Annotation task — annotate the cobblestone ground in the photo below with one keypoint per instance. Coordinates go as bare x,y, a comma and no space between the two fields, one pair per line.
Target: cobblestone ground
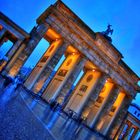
26,117
17,122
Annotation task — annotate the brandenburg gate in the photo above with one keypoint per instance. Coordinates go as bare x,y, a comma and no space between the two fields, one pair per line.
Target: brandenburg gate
107,86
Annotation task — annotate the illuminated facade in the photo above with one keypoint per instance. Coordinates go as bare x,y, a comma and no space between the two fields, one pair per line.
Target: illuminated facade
108,85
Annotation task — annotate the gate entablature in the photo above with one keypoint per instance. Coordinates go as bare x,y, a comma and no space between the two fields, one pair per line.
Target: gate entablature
93,45
13,28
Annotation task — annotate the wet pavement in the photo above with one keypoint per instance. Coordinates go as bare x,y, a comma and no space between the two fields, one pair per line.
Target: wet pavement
24,116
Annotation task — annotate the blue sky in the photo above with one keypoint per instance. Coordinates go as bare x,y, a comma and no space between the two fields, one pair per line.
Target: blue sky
122,14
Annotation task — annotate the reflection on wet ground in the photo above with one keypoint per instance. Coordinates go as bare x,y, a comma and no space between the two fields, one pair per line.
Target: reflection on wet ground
57,122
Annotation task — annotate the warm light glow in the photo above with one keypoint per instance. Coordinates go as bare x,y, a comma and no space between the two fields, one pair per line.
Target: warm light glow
12,72
107,89
38,86
71,50
2,65
52,34
119,99
90,66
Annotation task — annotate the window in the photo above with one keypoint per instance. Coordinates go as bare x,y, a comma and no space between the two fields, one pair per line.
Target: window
83,88
100,99
62,72
135,112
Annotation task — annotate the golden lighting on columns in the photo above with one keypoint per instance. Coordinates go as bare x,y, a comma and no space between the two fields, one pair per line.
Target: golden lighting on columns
52,35
50,52
33,77
115,110
84,89
63,73
100,103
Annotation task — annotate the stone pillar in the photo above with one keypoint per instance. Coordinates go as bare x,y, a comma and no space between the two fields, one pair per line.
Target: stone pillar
129,124
122,131
113,119
35,36
13,49
103,103
60,78
63,95
128,132
10,68
90,103
35,74
119,116
83,91
9,55
40,85
136,134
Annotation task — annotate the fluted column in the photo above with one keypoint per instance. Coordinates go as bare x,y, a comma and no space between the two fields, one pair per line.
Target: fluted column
117,107
134,133
93,97
36,35
112,120
123,131
10,53
60,78
135,136
84,89
35,74
40,84
63,95
119,116
128,132
10,68
103,103
14,48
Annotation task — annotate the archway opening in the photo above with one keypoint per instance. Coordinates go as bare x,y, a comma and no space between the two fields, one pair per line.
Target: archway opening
37,54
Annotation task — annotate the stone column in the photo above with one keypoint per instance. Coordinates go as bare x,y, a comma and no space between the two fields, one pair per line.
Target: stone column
10,68
120,116
128,132
60,78
103,103
41,85
83,91
10,53
35,36
63,95
90,103
123,131
35,74
136,134
13,49
116,115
